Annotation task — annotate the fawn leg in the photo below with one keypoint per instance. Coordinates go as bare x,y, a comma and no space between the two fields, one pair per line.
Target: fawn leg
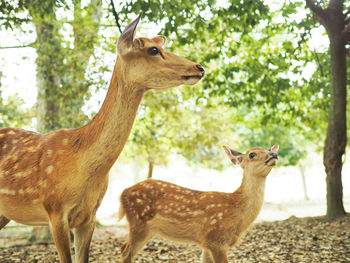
82,240
61,236
137,239
219,254
206,256
3,221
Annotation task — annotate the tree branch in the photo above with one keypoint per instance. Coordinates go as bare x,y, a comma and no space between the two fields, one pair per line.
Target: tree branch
346,33
336,4
116,17
318,62
315,8
16,19
20,46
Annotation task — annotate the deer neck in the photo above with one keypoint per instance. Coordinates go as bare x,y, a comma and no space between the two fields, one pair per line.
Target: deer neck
105,136
252,191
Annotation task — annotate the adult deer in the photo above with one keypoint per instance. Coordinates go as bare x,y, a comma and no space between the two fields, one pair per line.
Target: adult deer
213,220
60,178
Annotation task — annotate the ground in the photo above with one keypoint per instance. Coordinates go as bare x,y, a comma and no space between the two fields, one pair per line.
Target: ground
299,240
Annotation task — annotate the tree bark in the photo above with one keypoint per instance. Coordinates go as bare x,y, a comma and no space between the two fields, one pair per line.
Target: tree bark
150,170
333,19
303,180
48,67
336,134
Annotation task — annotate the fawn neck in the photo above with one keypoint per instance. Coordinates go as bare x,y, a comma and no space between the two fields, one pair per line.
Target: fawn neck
252,191
106,134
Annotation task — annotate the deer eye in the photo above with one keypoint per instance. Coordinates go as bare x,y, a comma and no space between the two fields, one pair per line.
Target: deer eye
252,155
153,51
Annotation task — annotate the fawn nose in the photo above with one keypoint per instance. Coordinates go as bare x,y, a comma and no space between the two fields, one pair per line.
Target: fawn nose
274,155
201,69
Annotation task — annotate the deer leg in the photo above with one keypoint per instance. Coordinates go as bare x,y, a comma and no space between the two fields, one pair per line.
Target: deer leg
206,256
82,240
61,236
219,254
3,221
137,239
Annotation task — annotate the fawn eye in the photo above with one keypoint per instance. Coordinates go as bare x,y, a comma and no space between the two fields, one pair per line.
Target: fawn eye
252,155
153,51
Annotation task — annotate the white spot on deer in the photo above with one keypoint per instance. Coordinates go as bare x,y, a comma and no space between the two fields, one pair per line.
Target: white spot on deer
148,186
197,212
44,183
4,147
31,190
213,222
2,135
159,206
49,169
220,215
21,191
7,191
210,206
65,141
11,132
202,196
31,149
139,201
19,174
49,152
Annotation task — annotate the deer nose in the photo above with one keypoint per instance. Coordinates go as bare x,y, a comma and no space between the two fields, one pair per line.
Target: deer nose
274,155
201,69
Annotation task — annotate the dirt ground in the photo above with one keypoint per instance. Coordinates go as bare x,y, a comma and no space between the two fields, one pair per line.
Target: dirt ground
299,240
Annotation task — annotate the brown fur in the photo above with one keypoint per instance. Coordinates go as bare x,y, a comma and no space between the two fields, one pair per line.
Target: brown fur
213,220
60,178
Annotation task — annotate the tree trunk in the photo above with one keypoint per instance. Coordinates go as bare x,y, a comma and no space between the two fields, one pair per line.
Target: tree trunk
150,169
302,173
333,19
336,134
49,67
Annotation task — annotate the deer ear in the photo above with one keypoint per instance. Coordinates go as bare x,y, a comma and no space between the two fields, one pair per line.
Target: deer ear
160,40
126,39
235,157
274,148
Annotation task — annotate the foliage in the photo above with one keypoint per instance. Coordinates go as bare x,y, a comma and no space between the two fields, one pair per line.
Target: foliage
254,59
11,112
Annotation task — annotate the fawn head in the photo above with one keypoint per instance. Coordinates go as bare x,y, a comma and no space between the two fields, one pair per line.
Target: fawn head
146,62
256,161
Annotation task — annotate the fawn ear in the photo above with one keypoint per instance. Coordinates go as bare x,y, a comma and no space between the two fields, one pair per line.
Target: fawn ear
126,39
235,157
160,40
274,148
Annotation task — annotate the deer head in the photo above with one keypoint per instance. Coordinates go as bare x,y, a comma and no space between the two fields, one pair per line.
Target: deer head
256,159
145,62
